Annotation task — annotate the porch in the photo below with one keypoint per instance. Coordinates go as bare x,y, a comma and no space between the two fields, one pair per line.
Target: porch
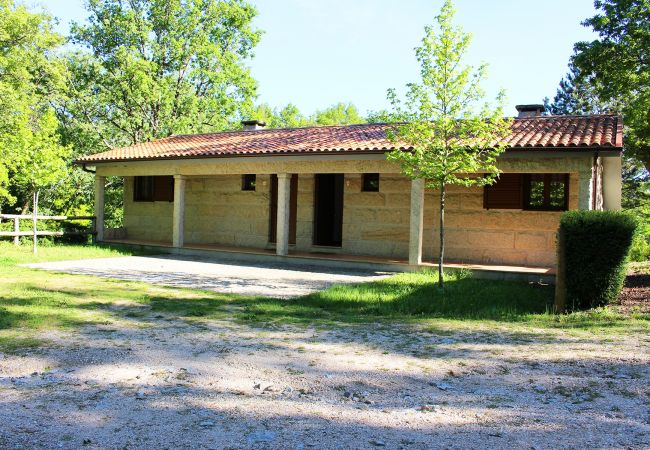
301,259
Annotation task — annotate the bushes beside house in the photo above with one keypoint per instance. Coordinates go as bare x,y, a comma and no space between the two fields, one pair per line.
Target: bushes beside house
593,250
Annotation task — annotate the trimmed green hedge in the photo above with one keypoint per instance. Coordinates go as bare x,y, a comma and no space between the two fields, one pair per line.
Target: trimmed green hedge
595,249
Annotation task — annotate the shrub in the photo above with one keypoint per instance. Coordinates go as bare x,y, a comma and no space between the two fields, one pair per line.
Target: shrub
594,248
71,227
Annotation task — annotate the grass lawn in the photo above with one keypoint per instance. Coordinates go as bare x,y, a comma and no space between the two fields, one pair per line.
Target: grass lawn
33,303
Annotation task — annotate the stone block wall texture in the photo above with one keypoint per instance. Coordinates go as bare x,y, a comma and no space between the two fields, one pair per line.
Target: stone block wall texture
374,223
147,221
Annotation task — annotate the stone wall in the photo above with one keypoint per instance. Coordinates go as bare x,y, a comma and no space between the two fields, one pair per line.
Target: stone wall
374,223
217,211
147,221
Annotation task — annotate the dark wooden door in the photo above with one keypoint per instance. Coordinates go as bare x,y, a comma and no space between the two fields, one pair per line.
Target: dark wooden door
293,209
328,209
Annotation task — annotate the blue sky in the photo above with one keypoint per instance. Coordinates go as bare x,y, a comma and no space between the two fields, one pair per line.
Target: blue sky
315,53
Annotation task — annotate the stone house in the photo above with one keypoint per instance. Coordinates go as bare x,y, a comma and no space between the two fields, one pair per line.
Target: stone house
329,190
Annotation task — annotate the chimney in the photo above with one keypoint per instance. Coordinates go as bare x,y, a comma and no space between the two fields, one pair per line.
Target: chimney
253,125
530,110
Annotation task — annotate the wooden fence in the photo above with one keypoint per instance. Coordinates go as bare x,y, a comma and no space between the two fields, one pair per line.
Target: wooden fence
35,233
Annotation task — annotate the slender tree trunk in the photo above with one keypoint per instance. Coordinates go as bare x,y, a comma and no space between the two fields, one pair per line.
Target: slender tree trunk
442,235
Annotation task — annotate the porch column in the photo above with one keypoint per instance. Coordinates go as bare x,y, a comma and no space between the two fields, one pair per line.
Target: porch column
179,211
100,184
585,189
417,221
612,183
284,191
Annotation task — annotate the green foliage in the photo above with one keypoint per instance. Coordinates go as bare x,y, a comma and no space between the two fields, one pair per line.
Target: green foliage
339,114
449,135
287,117
291,117
40,160
577,96
156,68
617,65
31,155
597,244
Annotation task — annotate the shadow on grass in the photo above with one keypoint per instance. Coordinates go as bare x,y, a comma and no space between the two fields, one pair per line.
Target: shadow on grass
401,296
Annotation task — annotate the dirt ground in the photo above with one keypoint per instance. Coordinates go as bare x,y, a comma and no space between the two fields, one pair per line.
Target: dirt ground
159,382
636,292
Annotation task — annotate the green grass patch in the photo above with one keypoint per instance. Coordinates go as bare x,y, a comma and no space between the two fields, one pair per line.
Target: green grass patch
33,301
416,296
12,343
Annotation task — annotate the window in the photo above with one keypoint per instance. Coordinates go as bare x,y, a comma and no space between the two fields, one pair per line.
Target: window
546,191
541,192
248,182
153,189
370,182
505,193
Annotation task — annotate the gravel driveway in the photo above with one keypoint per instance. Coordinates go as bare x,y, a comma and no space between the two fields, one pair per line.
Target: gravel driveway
199,273
158,382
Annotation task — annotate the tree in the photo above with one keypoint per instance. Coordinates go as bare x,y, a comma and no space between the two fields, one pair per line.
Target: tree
287,117
40,160
291,117
450,138
618,65
31,154
574,96
339,114
153,68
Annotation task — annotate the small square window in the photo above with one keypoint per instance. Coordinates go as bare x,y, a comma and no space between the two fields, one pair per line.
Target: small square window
370,182
248,182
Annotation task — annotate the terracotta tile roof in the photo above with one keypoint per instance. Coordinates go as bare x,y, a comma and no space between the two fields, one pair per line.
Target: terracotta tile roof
533,133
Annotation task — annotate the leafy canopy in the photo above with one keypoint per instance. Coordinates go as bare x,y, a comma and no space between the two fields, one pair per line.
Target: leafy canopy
291,117
153,68
577,96
449,137
618,65
31,155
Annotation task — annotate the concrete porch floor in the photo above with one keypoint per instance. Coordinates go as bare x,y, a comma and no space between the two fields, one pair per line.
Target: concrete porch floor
337,260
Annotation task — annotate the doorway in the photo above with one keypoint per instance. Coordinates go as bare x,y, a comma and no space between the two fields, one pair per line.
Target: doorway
293,209
328,209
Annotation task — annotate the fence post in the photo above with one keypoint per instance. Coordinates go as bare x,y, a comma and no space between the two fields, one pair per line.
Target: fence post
16,230
34,220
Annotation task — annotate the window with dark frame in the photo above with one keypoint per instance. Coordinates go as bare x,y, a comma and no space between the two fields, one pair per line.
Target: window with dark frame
153,189
370,182
536,192
546,191
248,182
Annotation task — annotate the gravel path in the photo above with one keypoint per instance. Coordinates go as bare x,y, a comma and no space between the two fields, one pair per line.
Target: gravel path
193,272
159,382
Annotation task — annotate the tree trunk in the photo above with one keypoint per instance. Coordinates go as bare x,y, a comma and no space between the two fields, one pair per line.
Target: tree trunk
442,235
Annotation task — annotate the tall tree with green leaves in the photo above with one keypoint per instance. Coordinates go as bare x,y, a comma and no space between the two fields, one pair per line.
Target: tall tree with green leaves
287,117
31,154
153,68
617,64
575,96
453,137
339,114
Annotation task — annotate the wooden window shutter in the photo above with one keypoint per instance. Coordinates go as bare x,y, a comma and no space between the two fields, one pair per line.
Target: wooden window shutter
163,189
506,193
